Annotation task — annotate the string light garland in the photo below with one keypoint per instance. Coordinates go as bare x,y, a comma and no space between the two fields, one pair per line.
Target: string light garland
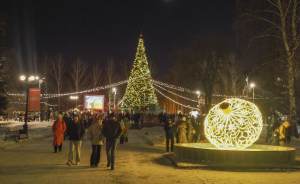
233,124
16,94
155,82
183,97
23,103
182,89
174,101
86,91
171,86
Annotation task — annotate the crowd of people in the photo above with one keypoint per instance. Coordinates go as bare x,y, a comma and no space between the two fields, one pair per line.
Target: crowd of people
98,127
106,129
280,129
182,128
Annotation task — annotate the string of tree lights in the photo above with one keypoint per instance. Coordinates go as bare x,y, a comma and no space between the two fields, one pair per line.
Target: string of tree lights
176,102
171,86
173,93
23,103
109,86
155,82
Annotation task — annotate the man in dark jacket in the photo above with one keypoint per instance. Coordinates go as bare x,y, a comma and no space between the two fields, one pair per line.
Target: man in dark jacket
169,127
111,131
75,132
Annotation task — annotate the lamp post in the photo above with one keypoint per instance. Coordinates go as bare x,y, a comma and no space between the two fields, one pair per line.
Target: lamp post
252,86
74,98
27,80
40,87
114,90
198,93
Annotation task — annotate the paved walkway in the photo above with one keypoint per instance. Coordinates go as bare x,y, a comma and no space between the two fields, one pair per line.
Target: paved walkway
137,162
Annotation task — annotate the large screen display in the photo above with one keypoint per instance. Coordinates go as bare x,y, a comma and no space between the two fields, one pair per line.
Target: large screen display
95,102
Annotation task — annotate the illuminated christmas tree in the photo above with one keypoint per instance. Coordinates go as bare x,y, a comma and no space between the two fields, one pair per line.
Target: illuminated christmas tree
140,92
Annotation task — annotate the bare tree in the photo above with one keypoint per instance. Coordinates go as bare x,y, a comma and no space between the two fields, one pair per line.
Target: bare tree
230,74
78,74
126,69
282,18
110,67
97,73
57,72
208,74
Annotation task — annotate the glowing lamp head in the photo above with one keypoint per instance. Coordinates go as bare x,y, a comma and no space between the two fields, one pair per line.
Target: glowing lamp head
31,78
194,114
252,85
114,90
233,124
22,77
74,97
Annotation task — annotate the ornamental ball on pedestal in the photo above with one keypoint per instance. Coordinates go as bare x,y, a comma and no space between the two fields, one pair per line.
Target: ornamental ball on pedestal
233,124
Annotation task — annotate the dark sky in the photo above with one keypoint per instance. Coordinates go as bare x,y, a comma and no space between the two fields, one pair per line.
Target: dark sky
98,29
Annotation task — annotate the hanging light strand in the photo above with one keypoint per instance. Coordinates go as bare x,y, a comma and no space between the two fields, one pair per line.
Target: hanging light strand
174,101
86,91
173,93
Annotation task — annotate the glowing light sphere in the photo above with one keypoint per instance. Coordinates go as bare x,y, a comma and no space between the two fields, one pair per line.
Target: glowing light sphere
233,124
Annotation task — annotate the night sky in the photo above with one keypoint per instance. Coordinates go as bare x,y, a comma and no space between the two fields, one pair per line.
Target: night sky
95,30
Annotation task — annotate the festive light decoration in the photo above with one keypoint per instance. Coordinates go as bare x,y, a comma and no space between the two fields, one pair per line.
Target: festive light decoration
156,83
140,91
16,94
171,86
233,124
174,101
86,91
173,93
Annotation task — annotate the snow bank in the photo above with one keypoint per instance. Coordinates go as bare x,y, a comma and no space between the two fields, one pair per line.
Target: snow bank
31,125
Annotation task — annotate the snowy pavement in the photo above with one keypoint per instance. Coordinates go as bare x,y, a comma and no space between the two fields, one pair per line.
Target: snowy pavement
137,162
31,124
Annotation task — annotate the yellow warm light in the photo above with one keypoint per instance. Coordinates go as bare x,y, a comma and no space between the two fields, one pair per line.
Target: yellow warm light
233,124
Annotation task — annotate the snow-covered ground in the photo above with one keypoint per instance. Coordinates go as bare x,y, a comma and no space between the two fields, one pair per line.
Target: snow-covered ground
36,130
136,162
31,124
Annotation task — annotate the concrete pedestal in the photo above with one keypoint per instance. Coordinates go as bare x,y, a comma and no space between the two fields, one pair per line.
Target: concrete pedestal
257,156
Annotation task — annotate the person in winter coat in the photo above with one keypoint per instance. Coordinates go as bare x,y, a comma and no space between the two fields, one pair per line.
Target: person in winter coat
284,132
76,133
169,127
67,119
182,128
111,131
58,128
125,124
96,138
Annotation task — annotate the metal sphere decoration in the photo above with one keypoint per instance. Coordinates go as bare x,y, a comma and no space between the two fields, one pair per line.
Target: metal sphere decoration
233,124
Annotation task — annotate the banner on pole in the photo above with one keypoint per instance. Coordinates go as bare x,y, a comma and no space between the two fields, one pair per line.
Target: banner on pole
34,98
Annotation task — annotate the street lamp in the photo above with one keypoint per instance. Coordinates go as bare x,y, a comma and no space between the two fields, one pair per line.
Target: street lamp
22,77
114,90
32,78
198,93
27,80
252,86
74,98
40,81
